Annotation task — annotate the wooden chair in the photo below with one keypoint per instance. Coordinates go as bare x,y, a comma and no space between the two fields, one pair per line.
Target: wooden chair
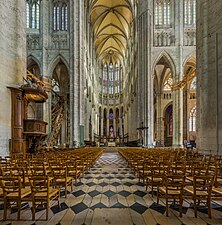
72,170
14,192
145,171
155,179
172,189
200,191
43,193
61,179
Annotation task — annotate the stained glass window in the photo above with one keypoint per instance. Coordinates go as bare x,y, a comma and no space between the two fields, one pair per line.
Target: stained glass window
111,81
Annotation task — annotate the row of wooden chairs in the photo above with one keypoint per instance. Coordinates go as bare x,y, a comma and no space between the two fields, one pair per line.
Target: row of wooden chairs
178,174
39,179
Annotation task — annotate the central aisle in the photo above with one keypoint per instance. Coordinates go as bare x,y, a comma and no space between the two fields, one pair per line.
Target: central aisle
108,194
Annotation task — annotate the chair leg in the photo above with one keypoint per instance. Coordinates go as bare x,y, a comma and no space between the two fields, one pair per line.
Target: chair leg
72,186
66,190
181,206
33,210
47,209
167,209
59,200
19,210
209,207
157,196
5,209
195,207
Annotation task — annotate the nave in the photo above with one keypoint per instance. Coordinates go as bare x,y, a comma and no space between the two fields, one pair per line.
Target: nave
110,193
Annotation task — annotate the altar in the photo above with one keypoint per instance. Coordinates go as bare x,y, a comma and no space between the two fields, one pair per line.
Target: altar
111,144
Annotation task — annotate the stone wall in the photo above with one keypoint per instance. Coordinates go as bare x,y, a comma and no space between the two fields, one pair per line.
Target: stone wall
12,61
209,75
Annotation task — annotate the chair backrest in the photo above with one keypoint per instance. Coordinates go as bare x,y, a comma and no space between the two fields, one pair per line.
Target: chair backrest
11,184
203,183
38,170
40,184
174,182
178,167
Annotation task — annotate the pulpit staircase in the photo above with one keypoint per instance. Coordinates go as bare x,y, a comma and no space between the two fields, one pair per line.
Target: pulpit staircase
57,120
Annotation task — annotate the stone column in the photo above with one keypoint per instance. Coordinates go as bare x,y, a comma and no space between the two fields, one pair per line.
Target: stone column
101,119
209,76
178,118
145,106
13,61
177,95
76,70
44,22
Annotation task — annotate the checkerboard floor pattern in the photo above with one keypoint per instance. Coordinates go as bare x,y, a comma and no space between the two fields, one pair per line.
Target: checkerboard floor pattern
110,184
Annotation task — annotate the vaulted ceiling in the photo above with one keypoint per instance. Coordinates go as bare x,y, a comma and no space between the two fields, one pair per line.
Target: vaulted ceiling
111,22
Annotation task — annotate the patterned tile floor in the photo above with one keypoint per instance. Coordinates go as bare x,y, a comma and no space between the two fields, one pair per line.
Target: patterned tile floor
110,194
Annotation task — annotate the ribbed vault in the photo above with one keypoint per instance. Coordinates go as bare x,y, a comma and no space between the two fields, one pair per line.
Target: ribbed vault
111,22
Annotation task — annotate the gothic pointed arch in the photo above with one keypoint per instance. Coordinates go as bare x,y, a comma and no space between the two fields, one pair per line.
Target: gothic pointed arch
33,66
164,68
31,58
191,59
54,62
165,55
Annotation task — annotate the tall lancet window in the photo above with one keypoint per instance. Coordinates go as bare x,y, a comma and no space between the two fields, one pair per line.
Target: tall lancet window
189,12
117,79
163,13
193,113
111,78
32,14
60,15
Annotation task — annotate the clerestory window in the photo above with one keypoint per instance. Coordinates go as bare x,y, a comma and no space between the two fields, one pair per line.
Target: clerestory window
60,15
189,12
163,13
32,14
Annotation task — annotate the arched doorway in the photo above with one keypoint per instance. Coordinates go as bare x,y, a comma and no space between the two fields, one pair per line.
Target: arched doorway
59,105
162,97
168,126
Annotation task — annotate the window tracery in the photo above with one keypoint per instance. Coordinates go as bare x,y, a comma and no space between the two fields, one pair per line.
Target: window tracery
32,14
163,13
193,84
189,12
110,82
60,15
193,113
168,84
